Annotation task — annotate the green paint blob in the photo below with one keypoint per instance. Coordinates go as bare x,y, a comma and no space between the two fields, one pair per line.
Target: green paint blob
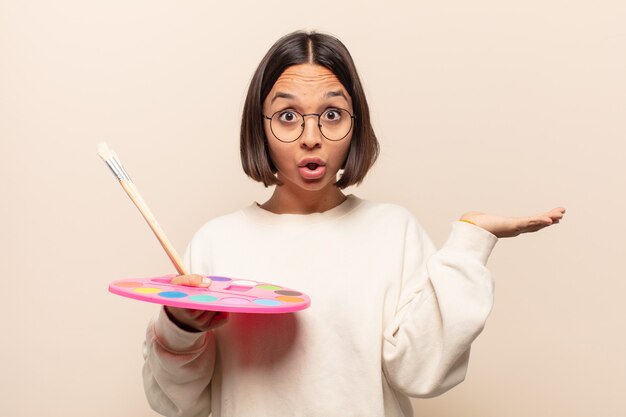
269,287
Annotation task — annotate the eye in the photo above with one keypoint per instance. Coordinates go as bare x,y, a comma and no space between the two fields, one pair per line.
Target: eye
332,115
288,116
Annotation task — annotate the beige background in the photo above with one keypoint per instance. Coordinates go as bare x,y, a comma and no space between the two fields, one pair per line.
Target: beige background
505,107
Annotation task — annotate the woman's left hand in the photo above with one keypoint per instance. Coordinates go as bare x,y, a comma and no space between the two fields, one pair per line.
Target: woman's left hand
513,226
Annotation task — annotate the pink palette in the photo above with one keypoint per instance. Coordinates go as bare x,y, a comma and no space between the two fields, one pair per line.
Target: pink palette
224,294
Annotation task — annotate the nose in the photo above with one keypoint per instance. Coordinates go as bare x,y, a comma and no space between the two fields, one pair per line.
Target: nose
311,135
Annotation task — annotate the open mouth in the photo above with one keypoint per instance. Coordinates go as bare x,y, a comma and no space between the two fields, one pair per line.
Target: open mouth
312,170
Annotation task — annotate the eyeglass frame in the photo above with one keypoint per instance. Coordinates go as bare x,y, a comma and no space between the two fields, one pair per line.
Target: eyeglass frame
319,123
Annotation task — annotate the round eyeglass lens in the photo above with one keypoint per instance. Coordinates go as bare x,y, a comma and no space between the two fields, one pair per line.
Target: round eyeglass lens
335,124
287,125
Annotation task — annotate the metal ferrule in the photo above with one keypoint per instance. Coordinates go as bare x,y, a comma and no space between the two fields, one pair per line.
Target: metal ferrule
116,167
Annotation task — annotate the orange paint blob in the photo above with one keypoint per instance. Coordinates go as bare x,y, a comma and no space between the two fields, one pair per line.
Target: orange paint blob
288,299
128,284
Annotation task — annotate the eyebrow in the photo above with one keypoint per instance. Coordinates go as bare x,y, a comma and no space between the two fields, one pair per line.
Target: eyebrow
280,94
337,93
289,96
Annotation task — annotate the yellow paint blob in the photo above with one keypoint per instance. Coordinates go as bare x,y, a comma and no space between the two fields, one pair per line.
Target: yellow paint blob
148,290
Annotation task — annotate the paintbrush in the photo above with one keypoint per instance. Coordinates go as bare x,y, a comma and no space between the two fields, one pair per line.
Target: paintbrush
118,170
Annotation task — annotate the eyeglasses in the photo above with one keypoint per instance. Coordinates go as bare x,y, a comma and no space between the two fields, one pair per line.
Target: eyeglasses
288,125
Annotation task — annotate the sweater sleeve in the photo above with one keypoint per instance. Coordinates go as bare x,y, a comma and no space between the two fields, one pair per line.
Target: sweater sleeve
178,366
444,302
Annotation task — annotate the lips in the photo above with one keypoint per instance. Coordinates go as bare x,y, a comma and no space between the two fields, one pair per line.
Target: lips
312,168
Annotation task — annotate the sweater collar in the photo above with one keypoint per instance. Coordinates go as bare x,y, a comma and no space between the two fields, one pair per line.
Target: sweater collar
255,212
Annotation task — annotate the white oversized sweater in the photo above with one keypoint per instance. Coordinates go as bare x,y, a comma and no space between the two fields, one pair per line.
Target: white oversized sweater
390,317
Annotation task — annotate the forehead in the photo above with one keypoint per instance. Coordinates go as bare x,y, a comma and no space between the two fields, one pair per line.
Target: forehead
307,79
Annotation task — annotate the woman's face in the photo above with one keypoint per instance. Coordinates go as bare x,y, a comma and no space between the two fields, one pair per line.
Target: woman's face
311,162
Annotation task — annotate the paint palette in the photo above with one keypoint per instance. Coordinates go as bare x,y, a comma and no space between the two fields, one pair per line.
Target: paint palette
224,294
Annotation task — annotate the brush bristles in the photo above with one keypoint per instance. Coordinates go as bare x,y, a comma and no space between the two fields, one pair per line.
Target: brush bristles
112,161
104,151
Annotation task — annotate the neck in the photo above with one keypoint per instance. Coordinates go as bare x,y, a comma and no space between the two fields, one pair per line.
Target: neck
284,201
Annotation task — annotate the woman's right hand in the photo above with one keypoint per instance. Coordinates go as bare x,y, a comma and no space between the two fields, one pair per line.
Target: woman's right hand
195,320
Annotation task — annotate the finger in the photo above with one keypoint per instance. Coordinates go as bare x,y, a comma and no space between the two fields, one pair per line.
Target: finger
559,215
219,319
212,320
547,220
532,224
557,212
537,228
196,314
538,224
204,316
542,220
186,313
192,280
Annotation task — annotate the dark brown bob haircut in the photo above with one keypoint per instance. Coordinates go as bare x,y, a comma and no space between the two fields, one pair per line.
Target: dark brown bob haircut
306,48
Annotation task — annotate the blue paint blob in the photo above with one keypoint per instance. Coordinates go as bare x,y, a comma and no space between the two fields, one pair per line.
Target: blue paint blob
267,302
173,294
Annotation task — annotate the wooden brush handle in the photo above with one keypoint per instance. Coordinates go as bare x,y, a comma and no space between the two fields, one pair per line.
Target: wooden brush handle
154,225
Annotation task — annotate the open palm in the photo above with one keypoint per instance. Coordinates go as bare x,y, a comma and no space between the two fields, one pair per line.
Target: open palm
512,226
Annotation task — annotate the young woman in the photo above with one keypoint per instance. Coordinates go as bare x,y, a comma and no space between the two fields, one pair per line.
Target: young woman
391,317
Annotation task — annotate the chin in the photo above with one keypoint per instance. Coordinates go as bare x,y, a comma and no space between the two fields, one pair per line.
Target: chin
310,185
315,185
